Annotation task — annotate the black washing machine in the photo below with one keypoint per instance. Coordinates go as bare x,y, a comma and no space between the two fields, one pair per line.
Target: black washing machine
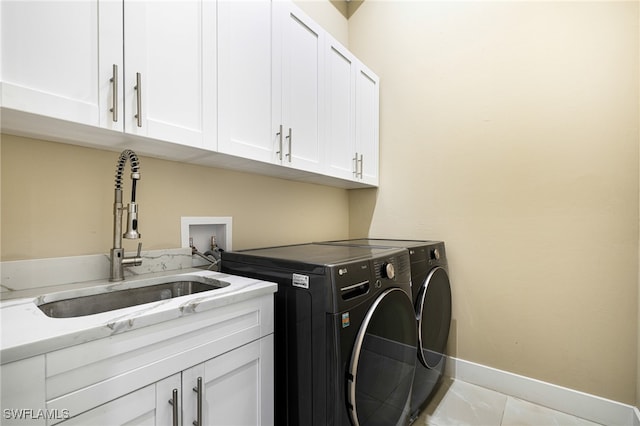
345,332
431,293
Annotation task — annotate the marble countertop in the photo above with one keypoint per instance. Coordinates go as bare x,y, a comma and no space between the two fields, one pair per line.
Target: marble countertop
27,331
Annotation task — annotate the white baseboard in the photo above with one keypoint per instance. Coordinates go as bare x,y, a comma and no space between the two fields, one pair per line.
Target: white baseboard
576,403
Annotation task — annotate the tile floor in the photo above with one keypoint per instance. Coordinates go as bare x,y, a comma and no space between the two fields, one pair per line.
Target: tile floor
461,403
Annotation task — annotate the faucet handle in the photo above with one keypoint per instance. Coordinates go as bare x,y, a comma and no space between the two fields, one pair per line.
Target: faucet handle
133,261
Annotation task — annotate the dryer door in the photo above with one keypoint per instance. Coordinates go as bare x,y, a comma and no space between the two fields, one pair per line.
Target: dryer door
434,316
383,362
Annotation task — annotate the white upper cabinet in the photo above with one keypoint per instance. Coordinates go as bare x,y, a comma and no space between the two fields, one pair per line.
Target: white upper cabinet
50,59
367,125
257,81
340,139
270,87
351,141
67,60
245,79
299,96
169,81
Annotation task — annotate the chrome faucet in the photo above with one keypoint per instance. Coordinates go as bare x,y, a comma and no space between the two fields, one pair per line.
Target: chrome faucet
118,260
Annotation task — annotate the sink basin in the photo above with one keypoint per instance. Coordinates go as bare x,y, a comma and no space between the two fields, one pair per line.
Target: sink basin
144,292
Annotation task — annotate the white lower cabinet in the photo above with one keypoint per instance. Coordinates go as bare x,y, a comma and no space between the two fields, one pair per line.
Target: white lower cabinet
22,392
129,378
146,406
235,388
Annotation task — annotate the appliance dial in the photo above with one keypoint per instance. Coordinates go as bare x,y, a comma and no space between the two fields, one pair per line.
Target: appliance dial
435,254
388,271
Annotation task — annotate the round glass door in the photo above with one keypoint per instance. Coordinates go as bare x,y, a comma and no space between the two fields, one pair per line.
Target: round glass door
434,317
383,362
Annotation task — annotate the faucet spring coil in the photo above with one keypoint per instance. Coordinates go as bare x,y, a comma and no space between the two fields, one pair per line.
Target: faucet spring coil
135,165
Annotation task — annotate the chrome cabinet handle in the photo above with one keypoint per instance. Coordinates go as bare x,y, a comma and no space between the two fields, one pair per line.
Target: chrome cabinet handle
361,165
138,89
174,402
279,152
114,99
355,166
290,138
198,390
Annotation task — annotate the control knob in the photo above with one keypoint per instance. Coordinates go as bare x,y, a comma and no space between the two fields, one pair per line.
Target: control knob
435,254
388,270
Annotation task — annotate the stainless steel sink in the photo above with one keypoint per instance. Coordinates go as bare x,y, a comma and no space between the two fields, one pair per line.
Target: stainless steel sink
146,292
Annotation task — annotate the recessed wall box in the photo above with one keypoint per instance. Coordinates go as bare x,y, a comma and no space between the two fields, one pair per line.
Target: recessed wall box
198,230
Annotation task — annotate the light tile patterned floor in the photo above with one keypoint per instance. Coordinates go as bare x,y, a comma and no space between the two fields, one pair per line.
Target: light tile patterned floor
457,403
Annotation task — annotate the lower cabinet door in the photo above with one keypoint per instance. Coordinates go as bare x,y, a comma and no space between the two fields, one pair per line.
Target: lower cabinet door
235,388
147,406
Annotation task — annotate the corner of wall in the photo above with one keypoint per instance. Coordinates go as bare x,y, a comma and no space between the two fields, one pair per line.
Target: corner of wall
638,329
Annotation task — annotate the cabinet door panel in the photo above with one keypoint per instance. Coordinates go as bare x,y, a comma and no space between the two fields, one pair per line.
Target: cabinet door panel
148,406
164,394
22,387
50,59
239,385
136,408
244,79
340,115
172,45
111,53
367,124
302,88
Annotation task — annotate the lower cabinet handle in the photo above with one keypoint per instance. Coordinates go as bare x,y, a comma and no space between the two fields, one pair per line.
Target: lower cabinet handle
198,390
114,99
138,90
174,402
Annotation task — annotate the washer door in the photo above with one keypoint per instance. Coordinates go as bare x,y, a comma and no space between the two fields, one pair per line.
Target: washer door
434,316
383,362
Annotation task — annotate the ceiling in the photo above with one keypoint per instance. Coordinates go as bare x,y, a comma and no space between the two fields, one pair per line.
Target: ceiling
347,7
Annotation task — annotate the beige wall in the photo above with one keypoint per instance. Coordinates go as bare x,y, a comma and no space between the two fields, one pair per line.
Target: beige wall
57,200
510,130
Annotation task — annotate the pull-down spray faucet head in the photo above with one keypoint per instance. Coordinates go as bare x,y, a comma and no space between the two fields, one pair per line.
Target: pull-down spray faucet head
132,211
118,260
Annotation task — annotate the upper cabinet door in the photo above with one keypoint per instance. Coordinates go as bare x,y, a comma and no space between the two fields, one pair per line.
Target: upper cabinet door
367,125
50,59
170,75
299,55
244,79
340,151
